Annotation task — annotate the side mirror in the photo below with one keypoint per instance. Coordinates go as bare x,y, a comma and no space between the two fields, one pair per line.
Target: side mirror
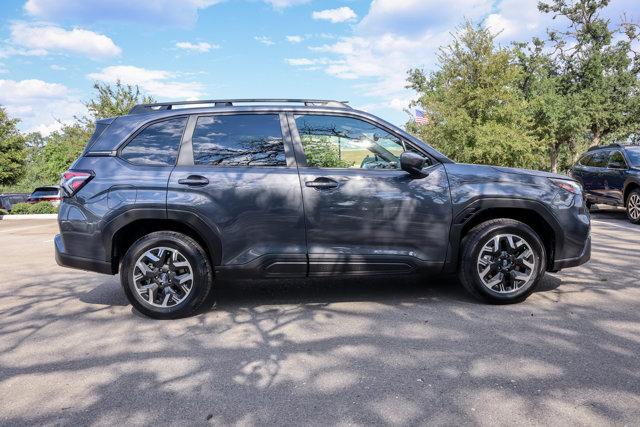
412,163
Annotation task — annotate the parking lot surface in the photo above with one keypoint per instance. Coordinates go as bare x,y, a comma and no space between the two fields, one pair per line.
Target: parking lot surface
382,351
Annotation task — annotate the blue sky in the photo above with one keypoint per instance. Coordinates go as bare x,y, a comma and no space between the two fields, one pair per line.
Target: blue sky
52,50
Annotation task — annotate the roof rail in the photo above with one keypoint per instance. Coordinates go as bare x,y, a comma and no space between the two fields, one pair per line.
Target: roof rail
599,147
159,106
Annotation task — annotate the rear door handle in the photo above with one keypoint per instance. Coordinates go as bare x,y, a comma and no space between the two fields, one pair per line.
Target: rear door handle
194,181
322,183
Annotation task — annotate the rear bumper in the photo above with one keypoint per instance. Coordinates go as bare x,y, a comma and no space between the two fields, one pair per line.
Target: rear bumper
65,260
584,256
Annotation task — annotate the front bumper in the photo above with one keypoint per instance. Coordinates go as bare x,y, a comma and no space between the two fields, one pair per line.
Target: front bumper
584,256
65,260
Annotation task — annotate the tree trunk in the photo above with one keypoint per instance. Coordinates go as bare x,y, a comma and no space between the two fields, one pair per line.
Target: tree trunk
553,157
597,137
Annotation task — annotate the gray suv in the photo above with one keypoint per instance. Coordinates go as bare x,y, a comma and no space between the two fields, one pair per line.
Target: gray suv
176,195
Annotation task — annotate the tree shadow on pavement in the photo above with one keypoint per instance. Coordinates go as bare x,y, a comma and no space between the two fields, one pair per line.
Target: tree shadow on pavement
322,352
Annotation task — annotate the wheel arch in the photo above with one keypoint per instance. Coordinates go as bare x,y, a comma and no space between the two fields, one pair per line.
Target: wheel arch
126,229
530,212
628,188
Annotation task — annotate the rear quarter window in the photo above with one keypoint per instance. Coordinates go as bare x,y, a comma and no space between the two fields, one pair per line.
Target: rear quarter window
157,144
586,160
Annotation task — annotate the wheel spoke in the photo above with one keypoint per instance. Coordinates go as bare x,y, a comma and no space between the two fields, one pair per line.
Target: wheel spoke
154,277
506,263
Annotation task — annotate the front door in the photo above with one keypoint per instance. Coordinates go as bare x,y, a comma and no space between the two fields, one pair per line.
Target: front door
237,173
363,213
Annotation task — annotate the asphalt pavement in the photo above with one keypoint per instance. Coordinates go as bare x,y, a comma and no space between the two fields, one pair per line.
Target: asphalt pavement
321,352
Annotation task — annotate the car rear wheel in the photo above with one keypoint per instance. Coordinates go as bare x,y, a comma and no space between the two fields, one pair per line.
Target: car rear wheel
633,206
503,261
166,275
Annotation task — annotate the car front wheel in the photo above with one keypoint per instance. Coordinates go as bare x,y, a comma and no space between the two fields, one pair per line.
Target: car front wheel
166,275
503,261
633,206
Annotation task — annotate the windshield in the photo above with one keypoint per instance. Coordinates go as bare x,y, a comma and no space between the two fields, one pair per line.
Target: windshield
633,153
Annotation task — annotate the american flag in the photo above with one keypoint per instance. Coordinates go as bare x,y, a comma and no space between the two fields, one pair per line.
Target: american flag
421,117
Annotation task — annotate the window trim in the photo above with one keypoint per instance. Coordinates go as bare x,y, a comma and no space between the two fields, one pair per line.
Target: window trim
585,156
624,160
607,154
186,156
301,158
130,139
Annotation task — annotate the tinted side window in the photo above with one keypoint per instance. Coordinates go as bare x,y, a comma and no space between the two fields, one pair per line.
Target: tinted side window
239,140
157,144
616,159
345,142
600,159
586,160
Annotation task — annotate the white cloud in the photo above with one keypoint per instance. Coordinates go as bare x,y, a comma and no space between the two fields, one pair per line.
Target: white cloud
515,20
295,39
341,14
393,37
305,62
159,83
56,67
197,47
264,40
41,106
281,4
41,39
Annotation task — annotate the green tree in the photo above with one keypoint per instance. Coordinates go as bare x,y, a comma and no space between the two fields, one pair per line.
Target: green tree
12,150
111,101
598,66
558,118
49,157
475,106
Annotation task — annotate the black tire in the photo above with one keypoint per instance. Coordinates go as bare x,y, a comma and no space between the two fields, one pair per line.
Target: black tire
188,248
473,243
632,201
589,205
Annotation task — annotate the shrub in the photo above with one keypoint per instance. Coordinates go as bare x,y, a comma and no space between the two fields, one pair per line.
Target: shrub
35,208
3,212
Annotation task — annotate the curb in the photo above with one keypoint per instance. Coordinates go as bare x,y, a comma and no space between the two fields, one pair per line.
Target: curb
30,216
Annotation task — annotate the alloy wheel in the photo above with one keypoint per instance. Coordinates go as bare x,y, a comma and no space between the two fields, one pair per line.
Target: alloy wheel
633,207
506,263
163,277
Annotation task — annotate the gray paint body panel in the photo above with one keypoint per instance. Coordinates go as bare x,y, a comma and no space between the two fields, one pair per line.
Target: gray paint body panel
264,221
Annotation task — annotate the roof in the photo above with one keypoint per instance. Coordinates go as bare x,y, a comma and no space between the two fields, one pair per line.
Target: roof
163,106
616,145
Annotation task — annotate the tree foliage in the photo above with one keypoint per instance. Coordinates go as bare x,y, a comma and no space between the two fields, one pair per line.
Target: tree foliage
46,158
12,150
578,88
112,101
477,113
597,66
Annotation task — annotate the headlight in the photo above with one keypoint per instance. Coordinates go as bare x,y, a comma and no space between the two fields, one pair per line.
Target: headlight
567,184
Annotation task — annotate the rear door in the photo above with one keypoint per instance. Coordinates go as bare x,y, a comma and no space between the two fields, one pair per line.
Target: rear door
614,177
237,174
363,213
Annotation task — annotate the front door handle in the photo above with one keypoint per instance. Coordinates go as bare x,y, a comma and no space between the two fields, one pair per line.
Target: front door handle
194,181
322,183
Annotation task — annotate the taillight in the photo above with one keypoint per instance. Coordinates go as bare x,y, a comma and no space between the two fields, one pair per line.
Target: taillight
72,181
